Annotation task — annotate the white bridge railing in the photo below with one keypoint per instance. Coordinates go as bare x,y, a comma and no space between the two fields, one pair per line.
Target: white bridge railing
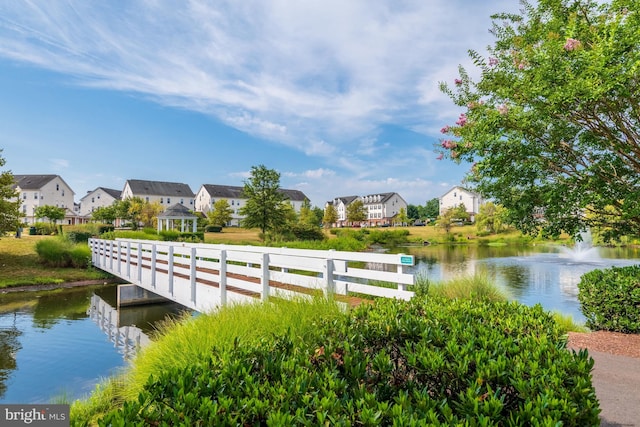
205,276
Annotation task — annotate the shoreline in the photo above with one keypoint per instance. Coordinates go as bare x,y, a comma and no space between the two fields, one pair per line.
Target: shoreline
64,285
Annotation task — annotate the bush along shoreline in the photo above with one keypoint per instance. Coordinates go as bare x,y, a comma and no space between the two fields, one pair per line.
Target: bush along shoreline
429,361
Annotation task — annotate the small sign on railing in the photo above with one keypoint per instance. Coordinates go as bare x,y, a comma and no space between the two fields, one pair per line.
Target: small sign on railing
406,259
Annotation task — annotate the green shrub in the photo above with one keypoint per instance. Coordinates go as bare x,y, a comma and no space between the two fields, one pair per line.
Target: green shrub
610,299
422,362
149,230
80,255
45,228
388,237
307,232
213,229
78,236
105,228
54,252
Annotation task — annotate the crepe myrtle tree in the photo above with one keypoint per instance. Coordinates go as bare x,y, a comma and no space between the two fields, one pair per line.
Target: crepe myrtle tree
551,125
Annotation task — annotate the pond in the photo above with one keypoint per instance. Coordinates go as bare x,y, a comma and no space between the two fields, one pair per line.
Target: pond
544,274
60,344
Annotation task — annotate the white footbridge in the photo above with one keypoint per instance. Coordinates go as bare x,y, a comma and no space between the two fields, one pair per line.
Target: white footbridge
203,277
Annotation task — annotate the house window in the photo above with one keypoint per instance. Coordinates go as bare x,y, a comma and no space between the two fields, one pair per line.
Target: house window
191,202
147,199
35,196
98,196
24,209
461,197
92,200
454,194
63,192
168,200
182,201
57,187
161,200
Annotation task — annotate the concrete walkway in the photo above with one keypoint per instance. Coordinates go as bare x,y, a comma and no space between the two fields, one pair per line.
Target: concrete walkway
617,383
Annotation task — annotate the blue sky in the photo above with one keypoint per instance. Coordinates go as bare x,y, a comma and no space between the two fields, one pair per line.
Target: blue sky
340,97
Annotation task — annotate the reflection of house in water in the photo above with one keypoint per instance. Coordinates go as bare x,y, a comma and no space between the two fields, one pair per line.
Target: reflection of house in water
128,339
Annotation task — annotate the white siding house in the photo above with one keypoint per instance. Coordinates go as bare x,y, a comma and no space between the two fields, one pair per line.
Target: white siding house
381,208
340,204
165,193
208,194
41,190
98,198
459,195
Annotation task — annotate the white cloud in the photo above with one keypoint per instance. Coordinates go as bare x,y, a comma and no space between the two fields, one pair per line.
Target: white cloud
59,164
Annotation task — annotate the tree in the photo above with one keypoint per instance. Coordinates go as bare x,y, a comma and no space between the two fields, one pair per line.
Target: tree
134,211
306,215
452,214
52,213
9,202
432,208
149,213
330,215
264,208
105,214
356,211
490,218
221,214
413,212
402,218
553,121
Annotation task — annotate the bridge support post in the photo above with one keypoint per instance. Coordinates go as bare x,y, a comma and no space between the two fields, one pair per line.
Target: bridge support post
223,277
192,275
170,269
119,261
128,260
139,262
129,295
329,282
153,265
111,255
264,276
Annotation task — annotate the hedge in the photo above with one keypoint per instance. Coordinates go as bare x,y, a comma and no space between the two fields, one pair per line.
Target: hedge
610,299
422,362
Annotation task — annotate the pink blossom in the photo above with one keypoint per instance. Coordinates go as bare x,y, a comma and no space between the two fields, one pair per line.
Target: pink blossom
458,82
502,109
521,66
572,44
493,61
445,129
448,144
462,120
440,156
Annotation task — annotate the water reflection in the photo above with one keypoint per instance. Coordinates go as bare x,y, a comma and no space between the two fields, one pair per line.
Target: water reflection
530,274
50,346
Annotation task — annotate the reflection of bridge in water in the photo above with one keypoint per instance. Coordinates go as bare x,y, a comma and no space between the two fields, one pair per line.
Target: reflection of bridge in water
128,339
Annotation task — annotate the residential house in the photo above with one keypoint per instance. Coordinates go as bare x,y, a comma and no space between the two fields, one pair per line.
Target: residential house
44,190
165,193
382,208
460,195
208,194
99,198
340,204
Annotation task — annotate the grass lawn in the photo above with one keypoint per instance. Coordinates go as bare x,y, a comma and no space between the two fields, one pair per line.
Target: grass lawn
19,265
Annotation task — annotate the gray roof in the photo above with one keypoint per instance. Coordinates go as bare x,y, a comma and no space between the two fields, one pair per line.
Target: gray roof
110,191
159,188
235,192
346,199
35,182
177,211
32,182
384,196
